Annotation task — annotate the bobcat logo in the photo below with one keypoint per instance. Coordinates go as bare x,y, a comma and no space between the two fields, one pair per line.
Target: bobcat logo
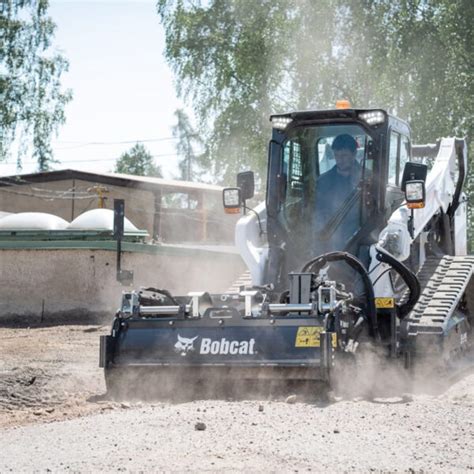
184,345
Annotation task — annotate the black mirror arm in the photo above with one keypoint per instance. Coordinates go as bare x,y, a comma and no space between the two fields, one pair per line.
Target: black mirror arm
262,232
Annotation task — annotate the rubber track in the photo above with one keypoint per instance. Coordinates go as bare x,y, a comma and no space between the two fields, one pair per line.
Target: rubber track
443,283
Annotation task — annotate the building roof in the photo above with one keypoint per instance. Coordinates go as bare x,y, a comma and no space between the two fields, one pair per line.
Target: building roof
113,179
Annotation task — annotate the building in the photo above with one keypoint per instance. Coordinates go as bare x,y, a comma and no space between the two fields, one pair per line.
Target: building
170,211
58,270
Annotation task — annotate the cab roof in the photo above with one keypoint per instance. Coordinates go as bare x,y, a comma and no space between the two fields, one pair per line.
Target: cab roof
341,114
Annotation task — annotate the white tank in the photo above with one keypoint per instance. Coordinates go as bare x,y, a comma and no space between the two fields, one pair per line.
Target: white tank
32,221
99,219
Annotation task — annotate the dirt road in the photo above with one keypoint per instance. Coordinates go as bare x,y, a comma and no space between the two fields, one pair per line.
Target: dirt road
53,416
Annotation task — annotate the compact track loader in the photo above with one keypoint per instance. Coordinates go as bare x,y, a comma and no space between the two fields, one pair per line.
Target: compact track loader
366,249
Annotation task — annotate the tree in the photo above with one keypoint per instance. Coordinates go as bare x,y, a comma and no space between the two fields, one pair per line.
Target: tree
220,56
423,56
138,161
240,61
32,101
188,139
424,60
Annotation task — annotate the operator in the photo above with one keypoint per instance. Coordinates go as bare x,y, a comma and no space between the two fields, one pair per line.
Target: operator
333,189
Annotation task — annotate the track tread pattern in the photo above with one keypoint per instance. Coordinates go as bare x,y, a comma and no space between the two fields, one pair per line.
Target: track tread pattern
443,282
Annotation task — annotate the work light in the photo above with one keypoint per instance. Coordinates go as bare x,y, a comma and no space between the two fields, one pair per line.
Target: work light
373,118
281,122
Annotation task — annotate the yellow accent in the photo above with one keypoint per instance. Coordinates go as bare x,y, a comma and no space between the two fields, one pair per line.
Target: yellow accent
343,104
308,336
383,303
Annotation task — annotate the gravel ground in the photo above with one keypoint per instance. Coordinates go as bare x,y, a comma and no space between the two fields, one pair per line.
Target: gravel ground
424,434
60,421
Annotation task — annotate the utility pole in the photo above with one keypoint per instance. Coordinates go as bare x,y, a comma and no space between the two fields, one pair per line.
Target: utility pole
123,276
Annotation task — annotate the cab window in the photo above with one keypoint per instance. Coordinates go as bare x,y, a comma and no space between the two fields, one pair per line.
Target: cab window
399,154
404,156
292,167
393,158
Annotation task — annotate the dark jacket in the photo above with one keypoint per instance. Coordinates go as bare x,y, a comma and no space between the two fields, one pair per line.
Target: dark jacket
332,190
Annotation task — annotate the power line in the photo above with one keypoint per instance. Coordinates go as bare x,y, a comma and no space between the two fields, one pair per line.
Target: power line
45,197
124,142
89,160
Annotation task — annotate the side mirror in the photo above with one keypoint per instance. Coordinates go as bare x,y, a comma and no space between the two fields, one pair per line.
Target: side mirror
232,199
415,194
413,184
246,183
413,172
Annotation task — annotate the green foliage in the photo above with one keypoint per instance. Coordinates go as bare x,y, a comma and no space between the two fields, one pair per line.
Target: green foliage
138,161
422,55
188,139
221,54
238,61
32,102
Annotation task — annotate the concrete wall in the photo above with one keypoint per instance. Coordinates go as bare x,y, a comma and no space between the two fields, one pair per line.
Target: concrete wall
55,284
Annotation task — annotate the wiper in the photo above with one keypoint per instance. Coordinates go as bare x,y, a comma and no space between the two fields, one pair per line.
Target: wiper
327,232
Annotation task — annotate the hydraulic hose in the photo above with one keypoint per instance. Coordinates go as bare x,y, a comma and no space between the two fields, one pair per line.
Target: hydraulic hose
319,262
408,277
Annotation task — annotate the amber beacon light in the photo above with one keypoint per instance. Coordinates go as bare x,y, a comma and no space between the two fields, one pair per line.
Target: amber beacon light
343,104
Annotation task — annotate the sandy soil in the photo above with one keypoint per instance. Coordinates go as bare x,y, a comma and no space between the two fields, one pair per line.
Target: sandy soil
54,416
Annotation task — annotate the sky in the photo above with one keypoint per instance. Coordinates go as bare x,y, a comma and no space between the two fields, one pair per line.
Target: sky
122,88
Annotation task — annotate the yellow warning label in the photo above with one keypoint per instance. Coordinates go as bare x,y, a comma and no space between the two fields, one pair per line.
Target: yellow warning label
308,336
383,303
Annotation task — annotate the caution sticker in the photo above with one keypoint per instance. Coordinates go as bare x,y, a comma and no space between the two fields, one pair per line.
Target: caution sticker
308,336
384,303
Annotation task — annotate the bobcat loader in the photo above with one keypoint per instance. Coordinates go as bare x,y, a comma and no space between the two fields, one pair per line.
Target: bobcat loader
378,260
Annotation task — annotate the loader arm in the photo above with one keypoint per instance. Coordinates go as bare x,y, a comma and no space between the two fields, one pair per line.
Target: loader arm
444,182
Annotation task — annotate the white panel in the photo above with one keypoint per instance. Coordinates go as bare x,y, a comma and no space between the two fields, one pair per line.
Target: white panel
98,219
32,221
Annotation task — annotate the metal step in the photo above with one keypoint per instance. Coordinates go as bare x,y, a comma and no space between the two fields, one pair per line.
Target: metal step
244,280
